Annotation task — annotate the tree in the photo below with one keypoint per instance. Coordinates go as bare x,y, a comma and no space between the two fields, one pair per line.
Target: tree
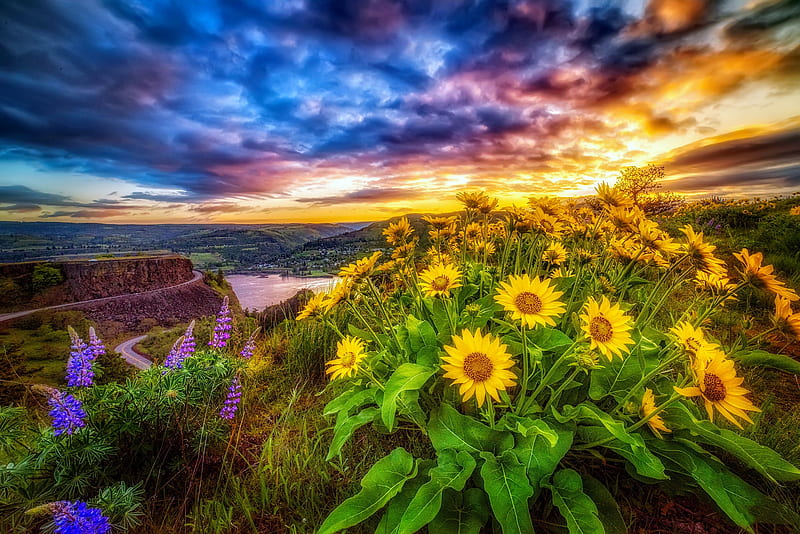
45,276
641,185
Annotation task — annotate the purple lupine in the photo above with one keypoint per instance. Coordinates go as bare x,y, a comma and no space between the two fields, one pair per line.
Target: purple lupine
250,347
228,410
77,517
96,344
222,330
79,365
67,413
174,359
188,344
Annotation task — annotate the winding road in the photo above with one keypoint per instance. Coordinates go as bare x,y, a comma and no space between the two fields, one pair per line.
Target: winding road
8,316
125,349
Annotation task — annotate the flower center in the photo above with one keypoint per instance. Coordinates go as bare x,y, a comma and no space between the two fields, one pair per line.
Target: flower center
692,344
440,283
478,366
528,303
348,359
601,330
715,389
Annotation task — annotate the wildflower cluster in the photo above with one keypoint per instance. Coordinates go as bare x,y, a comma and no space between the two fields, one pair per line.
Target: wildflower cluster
81,359
522,338
222,329
77,517
67,413
228,410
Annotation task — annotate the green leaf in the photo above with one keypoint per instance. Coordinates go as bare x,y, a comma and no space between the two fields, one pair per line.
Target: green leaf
359,333
733,495
607,507
539,457
428,356
548,338
763,358
420,333
461,513
618,377
345,428
507,485
635,451
576,507
527,426
763,459
453,471
390,522
408,376
382,482
448,429
348,400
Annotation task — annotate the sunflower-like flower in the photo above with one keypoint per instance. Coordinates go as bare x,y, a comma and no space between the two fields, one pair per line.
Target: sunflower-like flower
438,234
398,233
481,246
612,197
654,239
555,254
439,279
691,339
546,224
720,388
701,253
404,251
532,301
656,423
479,364
472,232
349,353
608,328
761,277
338,294
716,284
361,268
784,320
549,205
625,218
315,306
473,200
487,206
439,223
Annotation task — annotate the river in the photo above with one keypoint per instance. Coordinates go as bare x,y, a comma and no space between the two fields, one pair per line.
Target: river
257,291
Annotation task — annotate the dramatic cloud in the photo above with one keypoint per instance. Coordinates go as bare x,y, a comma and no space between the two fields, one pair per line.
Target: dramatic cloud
333,102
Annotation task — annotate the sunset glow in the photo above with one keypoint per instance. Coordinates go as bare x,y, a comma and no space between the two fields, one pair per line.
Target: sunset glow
350,110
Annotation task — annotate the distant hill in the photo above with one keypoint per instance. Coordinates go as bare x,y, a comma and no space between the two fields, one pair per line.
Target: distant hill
209,245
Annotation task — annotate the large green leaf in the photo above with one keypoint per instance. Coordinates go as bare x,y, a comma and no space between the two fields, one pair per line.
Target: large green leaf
630,445
763,459
381,483
352,398
345,427
527,426
763,358
539,457
548,338
462,513
448,429
509,490
390,522
607,507
420,333
453,471
408,376
733,495
645,462
576,507
618,377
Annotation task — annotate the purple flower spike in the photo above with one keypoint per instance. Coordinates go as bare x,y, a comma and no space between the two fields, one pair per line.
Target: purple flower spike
79,365
222,330
174,359
77,517
250,347
96,344
67,413
188,345
228,410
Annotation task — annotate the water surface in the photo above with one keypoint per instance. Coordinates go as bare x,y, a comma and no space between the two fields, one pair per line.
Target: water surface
257,291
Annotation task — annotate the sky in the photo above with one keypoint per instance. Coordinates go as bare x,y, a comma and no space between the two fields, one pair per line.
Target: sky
255,111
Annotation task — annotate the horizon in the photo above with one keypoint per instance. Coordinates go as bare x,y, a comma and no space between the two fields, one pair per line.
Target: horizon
321,111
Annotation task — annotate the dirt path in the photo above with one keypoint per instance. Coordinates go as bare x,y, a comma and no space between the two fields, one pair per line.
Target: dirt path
125,350
8,316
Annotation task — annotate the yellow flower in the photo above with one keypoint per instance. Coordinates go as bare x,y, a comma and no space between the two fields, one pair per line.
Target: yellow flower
611,197
479,364
555,254
439,223
784,320
655,240
399,232
338,294
761,276
546,224
701,253
349,353
482,246
473,200
533,301
360,268
715,284
720,388
472,232
689,337
795,211
439,279
608,328
404,251
655,423
314,307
